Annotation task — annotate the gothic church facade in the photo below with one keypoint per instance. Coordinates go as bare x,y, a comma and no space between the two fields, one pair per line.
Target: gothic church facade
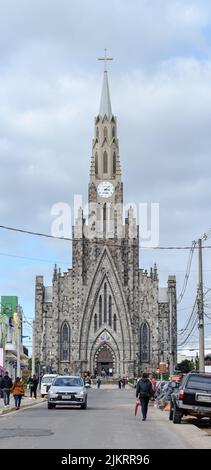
105,312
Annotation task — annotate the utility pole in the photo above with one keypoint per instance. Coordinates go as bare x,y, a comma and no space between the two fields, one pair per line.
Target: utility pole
16,318
33,348
200,309
171,341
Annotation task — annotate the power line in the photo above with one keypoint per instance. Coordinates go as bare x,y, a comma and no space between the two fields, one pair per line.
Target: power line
186,339
185,283
183,330
102,242
31,259
185,308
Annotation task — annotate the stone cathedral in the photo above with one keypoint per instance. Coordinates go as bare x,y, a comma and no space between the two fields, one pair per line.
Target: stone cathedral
105,313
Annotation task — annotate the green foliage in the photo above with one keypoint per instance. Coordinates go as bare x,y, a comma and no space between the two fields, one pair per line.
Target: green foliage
185,366
37,363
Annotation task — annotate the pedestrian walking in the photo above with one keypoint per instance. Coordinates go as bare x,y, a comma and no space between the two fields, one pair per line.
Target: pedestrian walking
154,384
17,391
6,385
98,382
144,391
1,391
103,373
123,382
120,383
33,384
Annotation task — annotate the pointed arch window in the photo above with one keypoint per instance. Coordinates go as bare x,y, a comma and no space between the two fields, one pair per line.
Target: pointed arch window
145,342
100,310
65,342
104,219
110,312
105,132
95,322
113,131
114,163
115,322
105,162
96,163
105,303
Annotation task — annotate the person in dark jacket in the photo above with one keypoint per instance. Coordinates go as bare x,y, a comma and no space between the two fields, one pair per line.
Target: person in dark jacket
6,385
1,391
144,391
120,383
33,384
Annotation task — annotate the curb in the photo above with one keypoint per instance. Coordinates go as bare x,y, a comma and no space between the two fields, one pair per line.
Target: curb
27,405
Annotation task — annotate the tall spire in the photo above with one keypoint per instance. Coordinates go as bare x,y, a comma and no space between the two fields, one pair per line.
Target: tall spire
105,102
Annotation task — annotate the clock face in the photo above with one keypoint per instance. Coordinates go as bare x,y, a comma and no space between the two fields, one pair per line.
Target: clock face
105,189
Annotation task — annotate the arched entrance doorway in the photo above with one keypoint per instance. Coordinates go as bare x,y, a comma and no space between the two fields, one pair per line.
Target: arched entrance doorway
105,361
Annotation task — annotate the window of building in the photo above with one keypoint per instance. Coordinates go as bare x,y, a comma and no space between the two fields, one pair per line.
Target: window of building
105,303
145,342
95,322
100,310
105,131
105,162
115,322
65,342
96,163
104,219
113,131
110,312
114,163
97,133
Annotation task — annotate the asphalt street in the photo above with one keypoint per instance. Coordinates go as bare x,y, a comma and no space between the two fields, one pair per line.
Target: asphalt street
108,422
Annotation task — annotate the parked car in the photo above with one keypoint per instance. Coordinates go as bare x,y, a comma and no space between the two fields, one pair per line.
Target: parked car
46,382
193,397
67,390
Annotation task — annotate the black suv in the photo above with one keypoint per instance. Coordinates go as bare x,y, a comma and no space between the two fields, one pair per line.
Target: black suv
193,397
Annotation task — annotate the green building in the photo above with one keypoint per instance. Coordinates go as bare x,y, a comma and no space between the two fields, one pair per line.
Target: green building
9,305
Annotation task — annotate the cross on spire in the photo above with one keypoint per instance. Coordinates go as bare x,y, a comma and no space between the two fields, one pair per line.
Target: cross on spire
105,58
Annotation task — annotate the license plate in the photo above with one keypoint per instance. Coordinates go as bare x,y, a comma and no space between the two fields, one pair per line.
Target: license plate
205,398
66,397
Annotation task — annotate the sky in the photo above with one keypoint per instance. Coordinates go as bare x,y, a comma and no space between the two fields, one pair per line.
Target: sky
50,85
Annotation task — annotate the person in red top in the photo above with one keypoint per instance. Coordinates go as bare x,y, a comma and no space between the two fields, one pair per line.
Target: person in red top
154,383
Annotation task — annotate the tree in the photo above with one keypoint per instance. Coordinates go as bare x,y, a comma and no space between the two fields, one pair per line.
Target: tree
185,366
37,363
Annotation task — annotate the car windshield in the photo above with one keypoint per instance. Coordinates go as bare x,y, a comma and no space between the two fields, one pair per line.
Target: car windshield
200,382
68,382
47,380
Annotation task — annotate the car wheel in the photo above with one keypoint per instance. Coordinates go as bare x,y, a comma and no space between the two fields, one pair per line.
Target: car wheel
84,405
171,412
51,406
42,396
177,416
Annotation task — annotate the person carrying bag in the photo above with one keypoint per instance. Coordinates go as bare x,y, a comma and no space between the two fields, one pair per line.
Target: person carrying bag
144,391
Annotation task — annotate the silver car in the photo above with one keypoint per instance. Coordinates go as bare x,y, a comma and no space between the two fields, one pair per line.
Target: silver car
67,390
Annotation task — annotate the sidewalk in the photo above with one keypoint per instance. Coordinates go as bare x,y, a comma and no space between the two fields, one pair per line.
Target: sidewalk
25,403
